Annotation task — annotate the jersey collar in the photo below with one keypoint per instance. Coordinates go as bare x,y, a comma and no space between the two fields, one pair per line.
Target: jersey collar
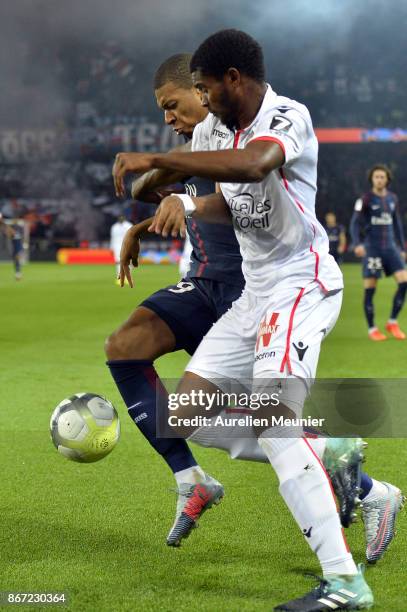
268,100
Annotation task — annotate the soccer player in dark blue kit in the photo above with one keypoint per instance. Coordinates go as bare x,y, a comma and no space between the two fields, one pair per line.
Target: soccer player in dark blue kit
336,236
178,316
377,216
14,230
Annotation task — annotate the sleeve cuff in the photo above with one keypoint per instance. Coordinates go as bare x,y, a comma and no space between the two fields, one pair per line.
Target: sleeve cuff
271,139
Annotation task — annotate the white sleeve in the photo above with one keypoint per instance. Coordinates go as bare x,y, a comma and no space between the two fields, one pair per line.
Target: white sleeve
358,205
201,134
289,129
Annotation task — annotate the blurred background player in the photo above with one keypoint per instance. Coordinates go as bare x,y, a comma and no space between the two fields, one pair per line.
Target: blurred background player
117,233
15,231
376,216
336,236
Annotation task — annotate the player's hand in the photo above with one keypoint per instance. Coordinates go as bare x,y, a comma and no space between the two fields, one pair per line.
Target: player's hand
403,255
360,251
129,255
129,162
169,218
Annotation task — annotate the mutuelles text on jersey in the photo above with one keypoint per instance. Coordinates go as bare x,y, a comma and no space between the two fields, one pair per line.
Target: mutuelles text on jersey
280,238
215,250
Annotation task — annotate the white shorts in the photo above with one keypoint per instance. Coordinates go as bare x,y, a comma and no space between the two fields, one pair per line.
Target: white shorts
275,336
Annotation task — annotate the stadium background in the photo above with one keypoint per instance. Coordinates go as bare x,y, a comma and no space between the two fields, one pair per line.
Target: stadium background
78,88
76,81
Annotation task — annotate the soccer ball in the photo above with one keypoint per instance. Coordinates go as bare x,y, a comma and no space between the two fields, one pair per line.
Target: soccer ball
85,427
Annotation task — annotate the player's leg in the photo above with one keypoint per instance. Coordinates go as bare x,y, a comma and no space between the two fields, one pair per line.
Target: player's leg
17,257
392,326
304,482
371,270
163,323
223,354
370,285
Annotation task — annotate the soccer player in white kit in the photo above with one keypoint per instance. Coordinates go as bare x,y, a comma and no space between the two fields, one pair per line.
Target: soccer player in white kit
262,150
117,233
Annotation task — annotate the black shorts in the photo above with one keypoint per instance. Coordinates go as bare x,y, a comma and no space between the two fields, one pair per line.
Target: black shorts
378,260
191,307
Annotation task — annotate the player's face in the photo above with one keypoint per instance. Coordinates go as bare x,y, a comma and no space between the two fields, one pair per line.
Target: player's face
182,107
218,97
330,219
379,179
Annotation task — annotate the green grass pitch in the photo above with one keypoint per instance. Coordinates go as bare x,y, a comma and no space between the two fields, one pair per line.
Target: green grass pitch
98,531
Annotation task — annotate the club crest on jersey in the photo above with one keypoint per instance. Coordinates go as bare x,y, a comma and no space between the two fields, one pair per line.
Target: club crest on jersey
266,329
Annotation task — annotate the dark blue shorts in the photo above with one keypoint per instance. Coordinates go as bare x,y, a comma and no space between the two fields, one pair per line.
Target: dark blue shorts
16,246
378,260
191,307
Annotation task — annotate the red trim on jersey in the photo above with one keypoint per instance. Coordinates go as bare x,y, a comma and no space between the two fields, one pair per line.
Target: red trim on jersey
281,171
236,138
316,279
321,284
201,245
286,358
330,485
270,139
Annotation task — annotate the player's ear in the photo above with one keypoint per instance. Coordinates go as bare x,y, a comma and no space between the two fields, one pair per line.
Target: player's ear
233,76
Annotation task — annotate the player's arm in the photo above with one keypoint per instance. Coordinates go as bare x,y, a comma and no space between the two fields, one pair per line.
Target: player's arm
249,165
170,216
355,229
342,241
144,186
130,249
398,229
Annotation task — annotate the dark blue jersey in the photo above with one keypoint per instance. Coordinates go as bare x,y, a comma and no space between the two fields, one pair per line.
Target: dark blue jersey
334,237
215,250
378,219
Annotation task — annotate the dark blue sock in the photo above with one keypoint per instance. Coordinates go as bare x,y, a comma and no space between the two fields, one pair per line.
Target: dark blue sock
398,300
136,381
366,485
17,265
368,305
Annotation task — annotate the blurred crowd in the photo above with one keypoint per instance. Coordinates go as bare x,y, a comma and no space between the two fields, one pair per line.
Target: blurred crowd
99,100
72,203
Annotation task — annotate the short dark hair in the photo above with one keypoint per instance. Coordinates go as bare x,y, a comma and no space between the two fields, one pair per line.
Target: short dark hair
382,167
229,49
174,69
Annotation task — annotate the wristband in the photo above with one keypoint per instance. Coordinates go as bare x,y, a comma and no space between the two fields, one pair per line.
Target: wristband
187,202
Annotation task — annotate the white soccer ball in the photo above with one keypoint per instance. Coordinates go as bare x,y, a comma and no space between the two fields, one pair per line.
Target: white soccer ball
85,427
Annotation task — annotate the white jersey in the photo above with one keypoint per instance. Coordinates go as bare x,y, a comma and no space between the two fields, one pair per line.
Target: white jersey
117,233
281,240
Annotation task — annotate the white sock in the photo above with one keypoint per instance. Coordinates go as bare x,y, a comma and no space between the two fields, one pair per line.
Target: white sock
306,489
318,445
190,475
376,492
392,321
117,269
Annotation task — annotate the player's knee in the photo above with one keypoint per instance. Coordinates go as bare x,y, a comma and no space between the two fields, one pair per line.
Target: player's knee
141,337
125,342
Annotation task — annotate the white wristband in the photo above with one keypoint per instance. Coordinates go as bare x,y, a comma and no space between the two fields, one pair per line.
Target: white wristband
188,203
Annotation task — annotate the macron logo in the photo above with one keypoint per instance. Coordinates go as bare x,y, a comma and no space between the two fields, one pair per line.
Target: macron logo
140,417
